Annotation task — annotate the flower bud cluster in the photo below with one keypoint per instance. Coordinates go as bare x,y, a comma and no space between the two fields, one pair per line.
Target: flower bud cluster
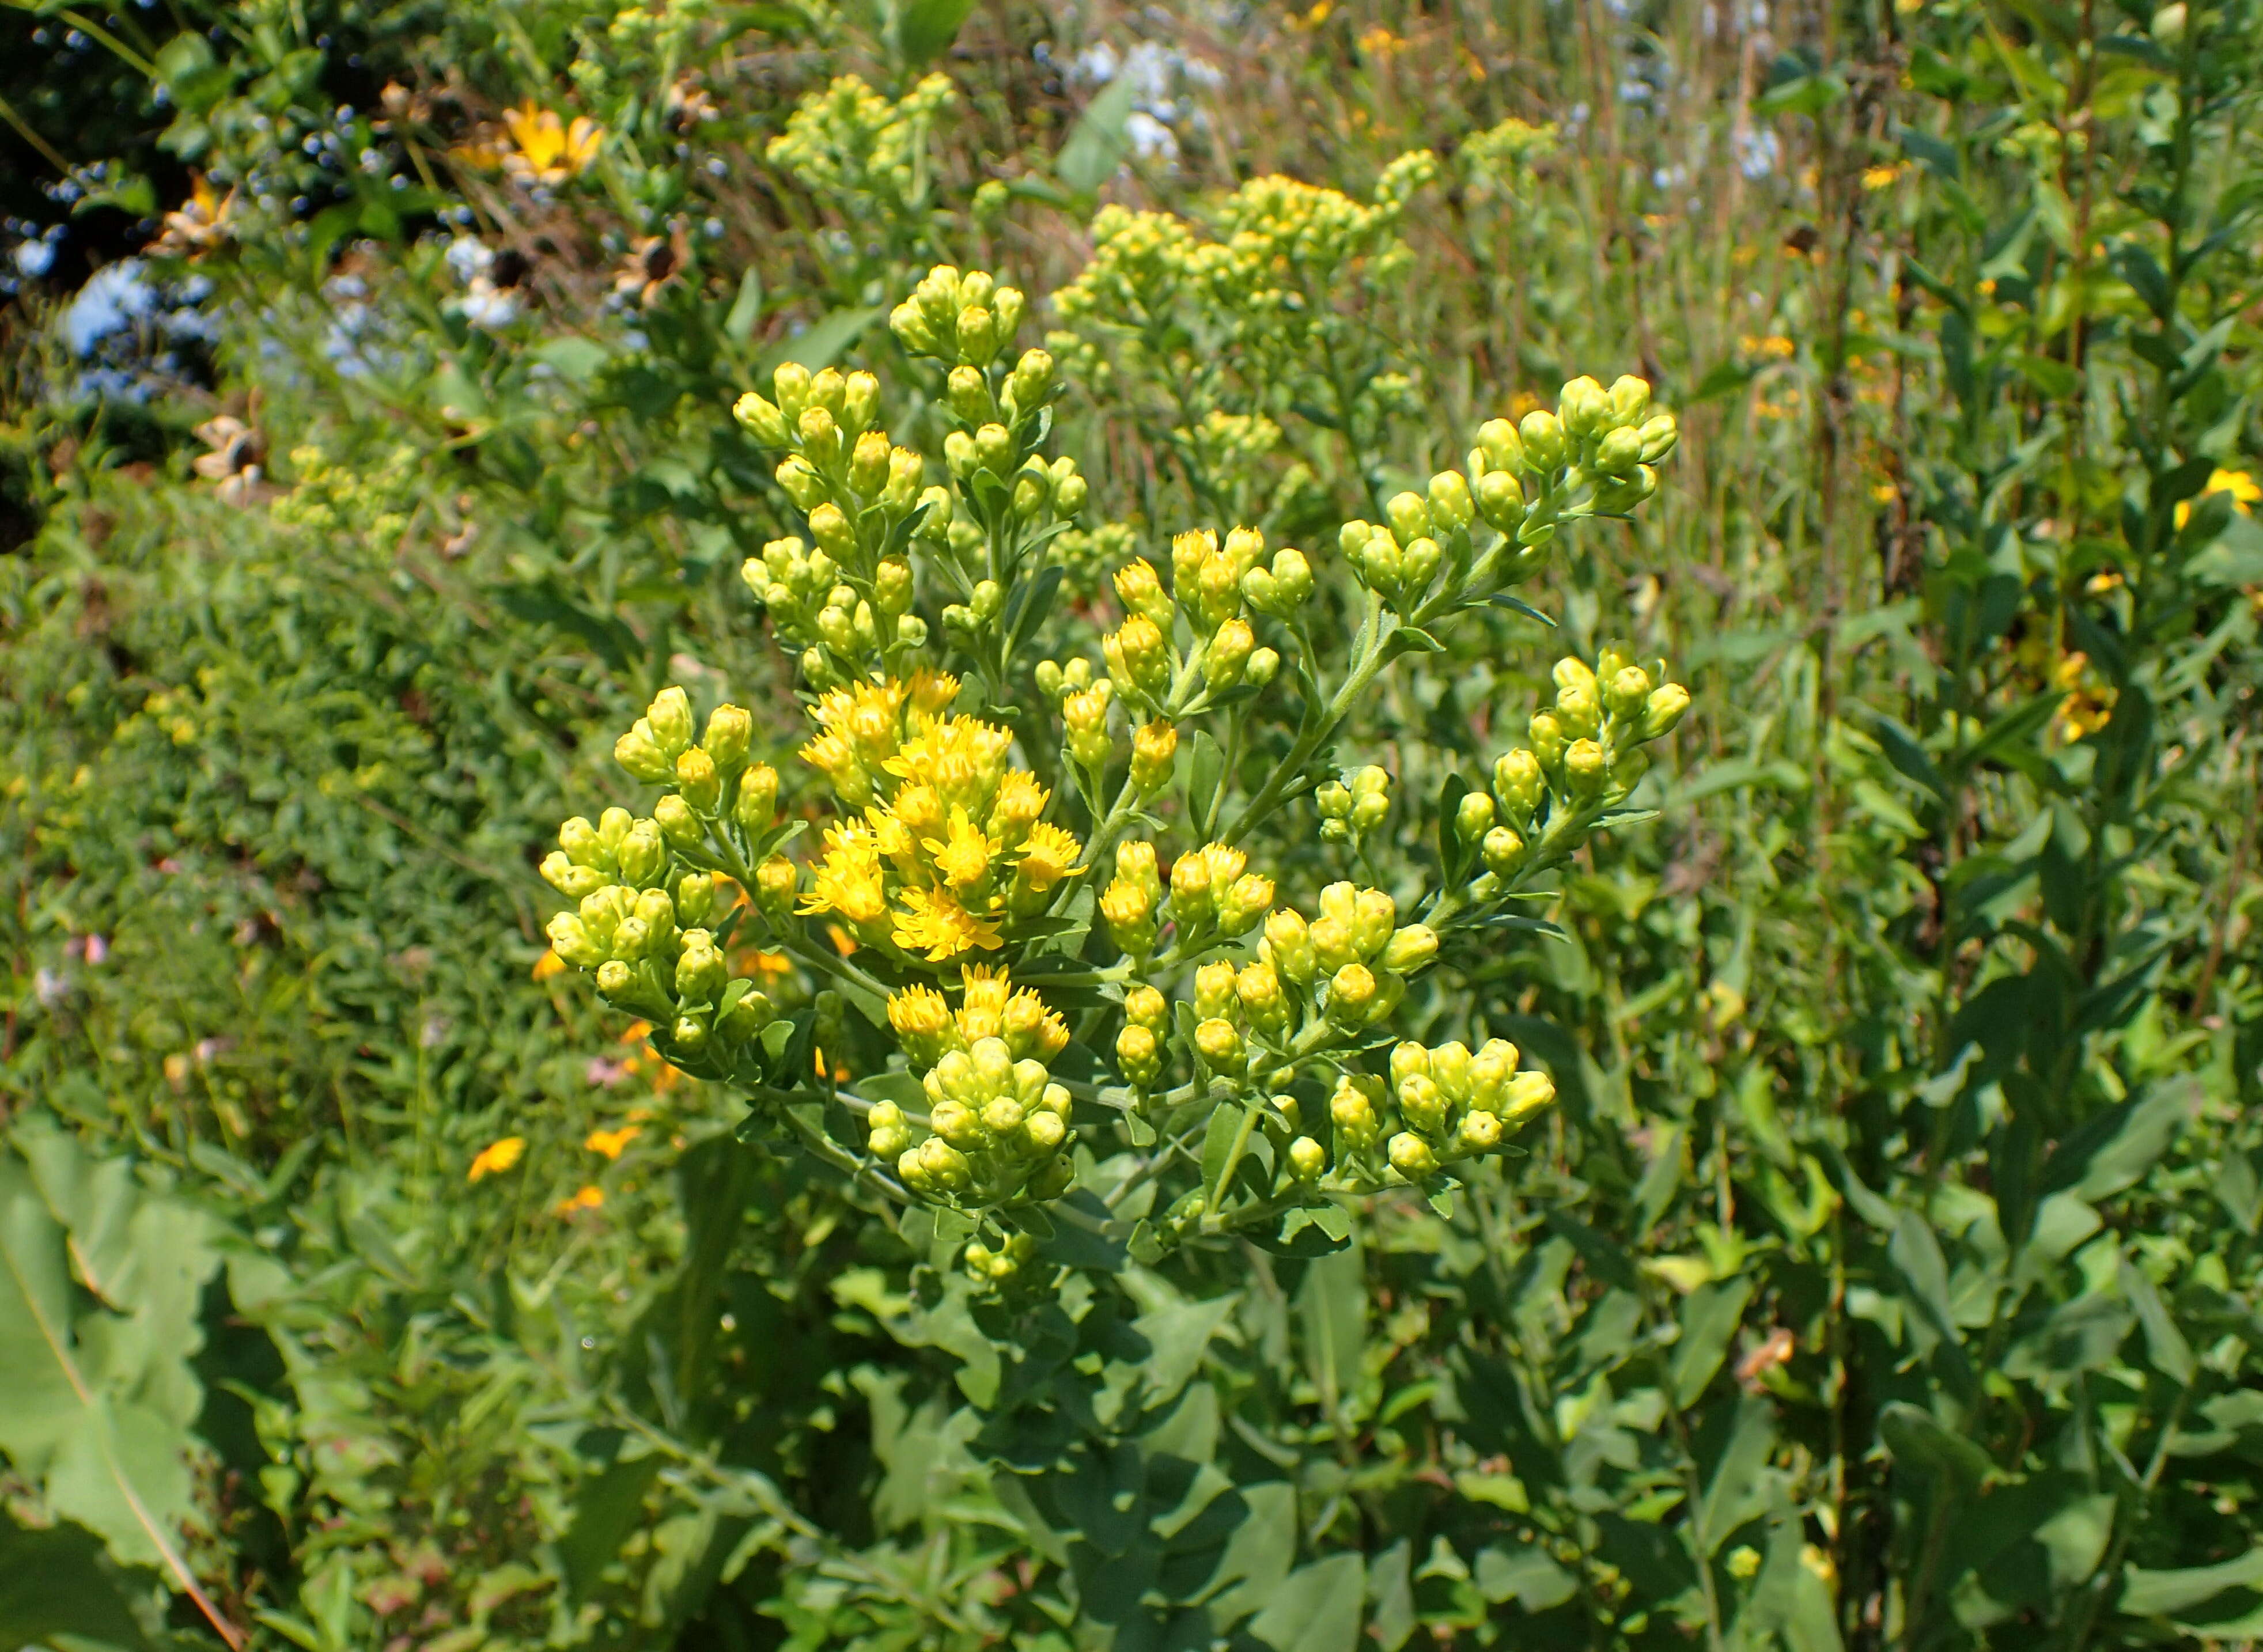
847,604
1586,756
1353,959
638,925
1592,456
1446,1104
964,321
1211,895
1354,806
997,1125
715,782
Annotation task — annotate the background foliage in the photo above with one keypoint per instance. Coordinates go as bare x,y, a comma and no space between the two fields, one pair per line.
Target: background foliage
1885,1278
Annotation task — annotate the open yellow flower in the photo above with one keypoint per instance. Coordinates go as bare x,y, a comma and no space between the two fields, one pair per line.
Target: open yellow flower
545,149
932,921
2244,489
613,1143
497,1157
964,855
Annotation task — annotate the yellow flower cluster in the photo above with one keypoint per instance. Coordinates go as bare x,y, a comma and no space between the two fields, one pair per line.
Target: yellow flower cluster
951,847
991,1007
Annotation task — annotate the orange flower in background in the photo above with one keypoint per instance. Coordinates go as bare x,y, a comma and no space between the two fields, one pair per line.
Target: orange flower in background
545,149
611,1142
547,965
589,1198
497,1157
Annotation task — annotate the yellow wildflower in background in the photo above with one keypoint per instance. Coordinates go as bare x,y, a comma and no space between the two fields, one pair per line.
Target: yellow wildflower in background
611,1142
2238,484
497,1157
545,149
547,965
589,1198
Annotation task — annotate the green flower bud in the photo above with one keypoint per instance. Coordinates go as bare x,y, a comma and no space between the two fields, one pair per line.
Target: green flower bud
820,436
994,448
1409,516
1628,400
790,384
1503,851
1412,1158
1480,1132
1473,817
1289,946
571,939
1544,440
1423,1103
1418,565
1308,1160
1619,452
1628,767
869,463
616,982
1664,710
643,856
887,1133
860,399
1353,1114
1409,949
1585,767
1258,986
1214,989
760,419
1627,691
730,731
678,825
695,898
1503,450
967,393
1228,652
1579,709
1219,1044
702,784
1007,307
1043,1134
1070,496
632,939
579,839
1292,577
744,1013
1375,916
1139,1056
1582,408
639,753
800,483
1500,501
1031,385
1524,1094
570,880
1352,995
1518,782
1548,739
1450,505
776,880
1263,667
1660,437
700,970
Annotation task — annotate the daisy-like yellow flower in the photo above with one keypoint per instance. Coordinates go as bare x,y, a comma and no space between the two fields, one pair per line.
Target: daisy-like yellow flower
847,877
962,758
611,1142
2244,490
932,921
545,149
497,1157
963,856
1048,855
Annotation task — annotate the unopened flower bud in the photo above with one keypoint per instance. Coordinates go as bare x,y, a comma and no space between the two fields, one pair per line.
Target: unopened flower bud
1263,667
790,383
1289,942
800,483
1375,916
580,840
1518,782
1523,1094
616,982
700,970
1030,384
1129,909
1585,766
1258,987
1153,748
730,730
1618,453
1503,850
1627,691
1351,995
639,753
701,784
1664,710
1548,739
642,856
1412,1158
776,880
1502,449
1219,1044
1353,1114
1500,501
994,448
1228,653
760,419
1474,817
1582,408
1450,505
1542,436
1660,433
1308,1160
570,880
1410,948
570,940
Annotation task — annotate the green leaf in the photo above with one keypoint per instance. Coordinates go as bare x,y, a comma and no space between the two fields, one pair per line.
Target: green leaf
1205,773
745,309
1177,1336
1332,1314
1526,1576
2165,1594
58,1581
2171,1354
819,344
1710,1317
928,28
1917,1441
75,1419
1318,1609
1096,144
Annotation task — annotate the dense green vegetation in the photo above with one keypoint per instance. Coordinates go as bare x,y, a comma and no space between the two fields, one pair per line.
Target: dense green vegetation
1867,1256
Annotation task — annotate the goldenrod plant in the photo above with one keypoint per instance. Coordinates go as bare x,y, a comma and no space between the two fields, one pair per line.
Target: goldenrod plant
964,906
